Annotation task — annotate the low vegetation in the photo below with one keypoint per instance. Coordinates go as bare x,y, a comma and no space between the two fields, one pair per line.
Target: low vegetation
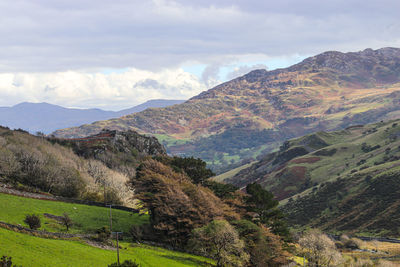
13,209
52,252
324,178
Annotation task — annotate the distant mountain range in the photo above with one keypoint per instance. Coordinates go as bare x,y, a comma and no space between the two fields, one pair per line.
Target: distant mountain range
46,118
253,114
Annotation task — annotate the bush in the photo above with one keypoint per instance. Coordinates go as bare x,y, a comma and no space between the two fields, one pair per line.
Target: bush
102,234
127,263
136,231
33,221
5,261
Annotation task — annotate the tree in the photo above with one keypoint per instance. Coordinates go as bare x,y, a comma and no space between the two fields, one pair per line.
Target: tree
265,205
319,249
221,241
196,169
176,206
99,172
264,248
66,221
221,190
33,221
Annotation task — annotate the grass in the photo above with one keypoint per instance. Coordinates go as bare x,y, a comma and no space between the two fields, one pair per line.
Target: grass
13,209
33,251
231,173
385,251
169,140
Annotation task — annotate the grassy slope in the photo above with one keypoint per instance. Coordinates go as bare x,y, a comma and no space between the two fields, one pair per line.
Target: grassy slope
337,186
86,218
231,173
348,158
33,251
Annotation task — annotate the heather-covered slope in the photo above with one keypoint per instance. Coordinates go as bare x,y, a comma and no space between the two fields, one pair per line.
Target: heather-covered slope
254,113
340,181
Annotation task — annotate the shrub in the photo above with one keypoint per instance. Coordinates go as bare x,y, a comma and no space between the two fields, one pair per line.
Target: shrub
5,261
33,221
127,263
136,231
102,234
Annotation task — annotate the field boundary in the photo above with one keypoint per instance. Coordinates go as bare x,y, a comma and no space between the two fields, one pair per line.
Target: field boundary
367,238
41,233
6,190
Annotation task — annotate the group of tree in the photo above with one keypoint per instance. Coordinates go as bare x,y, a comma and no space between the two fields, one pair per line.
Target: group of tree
188,211
34,222
33,163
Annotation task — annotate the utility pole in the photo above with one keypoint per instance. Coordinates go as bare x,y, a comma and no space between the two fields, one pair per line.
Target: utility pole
116,233
110,216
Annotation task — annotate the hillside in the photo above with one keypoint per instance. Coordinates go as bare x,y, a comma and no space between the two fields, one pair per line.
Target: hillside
252,114
46,118
95,168
340,181
64,251
173,195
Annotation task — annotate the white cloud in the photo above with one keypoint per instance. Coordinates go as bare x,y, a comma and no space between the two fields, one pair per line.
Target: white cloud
109,91
54,50
46,35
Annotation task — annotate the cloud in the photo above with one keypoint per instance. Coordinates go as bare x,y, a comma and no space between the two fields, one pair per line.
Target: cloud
97,90
47,36
56,51
241,70
210,76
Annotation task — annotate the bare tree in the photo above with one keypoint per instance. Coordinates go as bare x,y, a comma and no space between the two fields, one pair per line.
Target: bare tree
66,221
319,249
220,240
99,172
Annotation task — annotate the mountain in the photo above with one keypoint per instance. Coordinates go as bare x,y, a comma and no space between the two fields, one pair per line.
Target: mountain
154,103
253,114
341,181
46,118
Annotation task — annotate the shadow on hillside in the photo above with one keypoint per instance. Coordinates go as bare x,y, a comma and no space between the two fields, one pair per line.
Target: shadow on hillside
188,260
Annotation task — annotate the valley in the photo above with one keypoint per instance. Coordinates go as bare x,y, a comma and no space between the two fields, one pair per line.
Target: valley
269,159
253,114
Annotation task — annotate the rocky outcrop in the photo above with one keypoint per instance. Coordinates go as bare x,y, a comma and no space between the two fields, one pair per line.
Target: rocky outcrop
128,142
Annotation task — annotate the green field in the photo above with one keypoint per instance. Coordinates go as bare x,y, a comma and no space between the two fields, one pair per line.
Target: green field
33,251
13,209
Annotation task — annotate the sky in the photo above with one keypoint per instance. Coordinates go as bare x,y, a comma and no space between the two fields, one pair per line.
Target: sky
120,53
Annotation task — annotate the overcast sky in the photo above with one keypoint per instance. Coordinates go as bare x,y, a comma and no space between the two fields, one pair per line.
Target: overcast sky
115,54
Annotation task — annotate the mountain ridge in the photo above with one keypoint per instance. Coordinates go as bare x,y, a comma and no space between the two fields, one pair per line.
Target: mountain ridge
325,92
45,117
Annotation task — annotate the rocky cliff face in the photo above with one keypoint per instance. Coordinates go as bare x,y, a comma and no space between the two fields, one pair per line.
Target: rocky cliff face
115,148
